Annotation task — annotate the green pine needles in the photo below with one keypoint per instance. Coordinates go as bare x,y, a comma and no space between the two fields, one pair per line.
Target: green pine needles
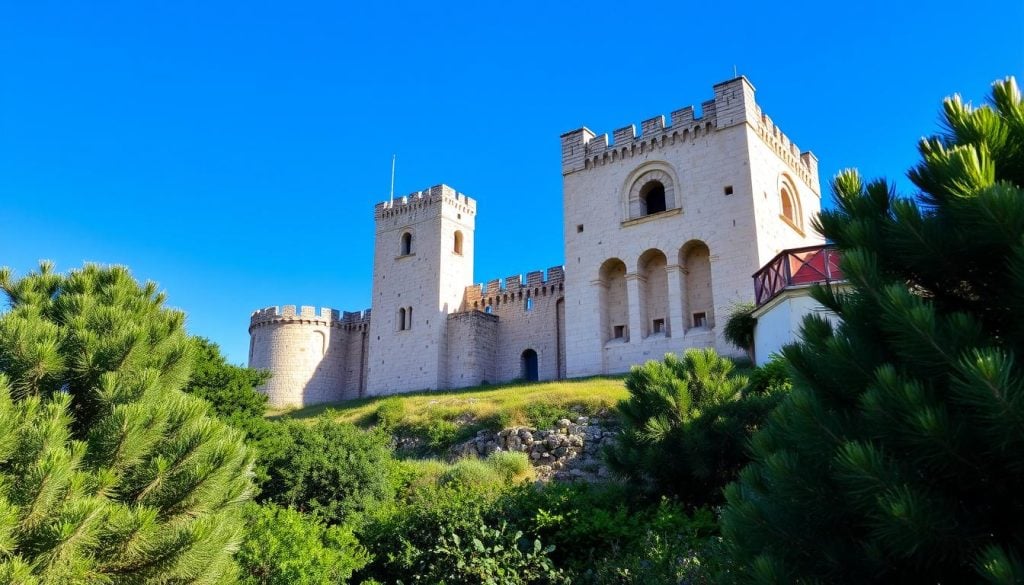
109,473
899,455
685,426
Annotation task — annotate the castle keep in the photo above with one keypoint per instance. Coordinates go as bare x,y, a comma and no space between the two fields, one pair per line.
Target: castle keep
662,232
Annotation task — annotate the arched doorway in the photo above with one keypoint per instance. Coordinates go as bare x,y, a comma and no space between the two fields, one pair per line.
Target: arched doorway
528,370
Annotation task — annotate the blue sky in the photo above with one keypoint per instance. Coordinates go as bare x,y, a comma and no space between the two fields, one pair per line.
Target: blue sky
233,151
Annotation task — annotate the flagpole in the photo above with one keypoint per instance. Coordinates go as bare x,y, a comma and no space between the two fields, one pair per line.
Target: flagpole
393,157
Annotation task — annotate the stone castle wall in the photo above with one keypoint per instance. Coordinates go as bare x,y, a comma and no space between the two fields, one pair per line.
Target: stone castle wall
662,231
529,318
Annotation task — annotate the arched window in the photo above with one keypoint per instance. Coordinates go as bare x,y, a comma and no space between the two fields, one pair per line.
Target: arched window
488,309
406,246
789,201
652,198
457,248
529,304
401,319
408,318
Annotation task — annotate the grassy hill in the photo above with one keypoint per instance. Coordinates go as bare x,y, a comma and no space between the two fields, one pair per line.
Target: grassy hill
433,421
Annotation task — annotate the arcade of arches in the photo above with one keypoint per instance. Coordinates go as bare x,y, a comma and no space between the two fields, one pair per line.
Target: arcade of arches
671,298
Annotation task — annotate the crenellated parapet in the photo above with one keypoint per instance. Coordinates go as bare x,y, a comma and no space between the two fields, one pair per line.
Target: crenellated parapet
426,199
295,314
732,105
513,287
804,164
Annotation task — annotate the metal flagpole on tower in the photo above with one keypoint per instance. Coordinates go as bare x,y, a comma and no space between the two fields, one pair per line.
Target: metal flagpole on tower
393,157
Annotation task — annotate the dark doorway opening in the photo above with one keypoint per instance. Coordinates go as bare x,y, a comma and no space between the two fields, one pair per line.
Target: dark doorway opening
529,366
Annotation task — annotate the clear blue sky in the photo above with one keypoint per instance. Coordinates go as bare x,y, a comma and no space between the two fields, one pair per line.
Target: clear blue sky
233,151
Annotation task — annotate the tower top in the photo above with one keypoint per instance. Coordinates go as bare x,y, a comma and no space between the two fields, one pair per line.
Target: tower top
438,194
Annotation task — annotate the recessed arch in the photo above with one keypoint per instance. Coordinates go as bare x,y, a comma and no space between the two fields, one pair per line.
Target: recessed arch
457,242
698,296
789,202
651,268
650,188
613,300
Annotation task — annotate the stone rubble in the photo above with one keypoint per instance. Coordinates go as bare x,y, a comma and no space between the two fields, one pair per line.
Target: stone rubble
569,452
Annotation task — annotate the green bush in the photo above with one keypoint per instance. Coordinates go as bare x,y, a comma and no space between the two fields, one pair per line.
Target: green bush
899,455
286,547
685,426
471,472
390,412
605,534
543,415
333,470
452,533
739,327
510,465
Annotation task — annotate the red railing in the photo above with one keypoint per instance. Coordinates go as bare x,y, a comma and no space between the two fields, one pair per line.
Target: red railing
796,267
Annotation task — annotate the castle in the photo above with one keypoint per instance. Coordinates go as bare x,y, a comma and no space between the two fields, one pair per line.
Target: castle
662,232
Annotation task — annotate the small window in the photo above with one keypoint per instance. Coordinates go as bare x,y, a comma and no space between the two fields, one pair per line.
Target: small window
618,332
408,318
579,229
529,304
700,319
457,248
728,189
488,309
401,319
658,326
652,198
406,246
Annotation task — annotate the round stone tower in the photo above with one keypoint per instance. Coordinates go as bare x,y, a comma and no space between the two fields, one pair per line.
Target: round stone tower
304,350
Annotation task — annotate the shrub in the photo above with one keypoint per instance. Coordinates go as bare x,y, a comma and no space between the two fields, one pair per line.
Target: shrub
899,455
510,466
686,426
604,534
390,412
739,327
331,469
285,547
452,533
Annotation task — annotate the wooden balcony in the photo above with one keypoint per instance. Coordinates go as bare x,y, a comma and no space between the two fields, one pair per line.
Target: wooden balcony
794,268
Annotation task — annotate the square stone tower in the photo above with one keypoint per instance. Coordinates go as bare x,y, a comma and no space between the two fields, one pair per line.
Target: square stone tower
422,264
664,229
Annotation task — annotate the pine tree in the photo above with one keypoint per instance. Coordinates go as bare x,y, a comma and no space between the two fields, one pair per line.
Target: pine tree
899,455
685,426
109,473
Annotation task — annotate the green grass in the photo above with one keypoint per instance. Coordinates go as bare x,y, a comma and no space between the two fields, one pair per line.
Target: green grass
444,418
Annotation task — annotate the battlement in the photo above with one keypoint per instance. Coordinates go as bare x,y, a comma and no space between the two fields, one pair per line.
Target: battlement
307,314
438,194
732,105
804,164
535,285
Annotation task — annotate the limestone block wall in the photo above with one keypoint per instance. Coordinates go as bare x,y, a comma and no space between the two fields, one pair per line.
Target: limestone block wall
305,350
704,164
530,317
357,339
472,340
427,276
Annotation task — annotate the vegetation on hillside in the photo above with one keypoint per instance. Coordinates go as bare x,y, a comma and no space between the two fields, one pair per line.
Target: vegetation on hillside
108,471
686,425
438,420
899,455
